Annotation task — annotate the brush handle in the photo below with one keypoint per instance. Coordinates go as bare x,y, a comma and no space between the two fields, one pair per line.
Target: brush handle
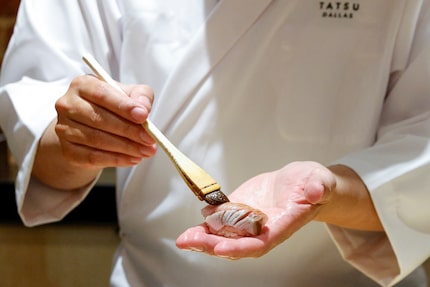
198,180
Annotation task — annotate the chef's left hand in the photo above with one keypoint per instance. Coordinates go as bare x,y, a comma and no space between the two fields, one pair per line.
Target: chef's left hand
291,197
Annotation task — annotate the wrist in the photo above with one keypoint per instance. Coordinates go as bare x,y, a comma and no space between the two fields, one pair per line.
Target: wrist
349,203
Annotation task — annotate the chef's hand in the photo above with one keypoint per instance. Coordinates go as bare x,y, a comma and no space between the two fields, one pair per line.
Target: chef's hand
97,127
291,197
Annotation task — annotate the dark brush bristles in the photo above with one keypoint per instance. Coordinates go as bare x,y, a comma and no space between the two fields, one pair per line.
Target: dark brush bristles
216,197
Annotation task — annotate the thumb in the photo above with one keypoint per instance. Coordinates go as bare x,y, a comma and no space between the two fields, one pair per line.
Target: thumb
319,185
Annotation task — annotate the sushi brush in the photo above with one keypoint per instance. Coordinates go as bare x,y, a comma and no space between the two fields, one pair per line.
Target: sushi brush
198,180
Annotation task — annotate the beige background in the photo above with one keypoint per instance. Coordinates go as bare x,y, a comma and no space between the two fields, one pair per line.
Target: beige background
57,256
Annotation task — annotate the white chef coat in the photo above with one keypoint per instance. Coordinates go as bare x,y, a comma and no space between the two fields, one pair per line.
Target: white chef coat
242,87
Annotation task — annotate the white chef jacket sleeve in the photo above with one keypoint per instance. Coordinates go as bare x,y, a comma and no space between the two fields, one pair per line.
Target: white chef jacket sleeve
396,169
43,56
24,122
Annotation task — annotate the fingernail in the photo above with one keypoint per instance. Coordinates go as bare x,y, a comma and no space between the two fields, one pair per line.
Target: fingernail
135,160
195,249
227,257
139,114
144,137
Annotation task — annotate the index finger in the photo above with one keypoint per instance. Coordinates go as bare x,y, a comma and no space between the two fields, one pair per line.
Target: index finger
198,239
137,113
116,101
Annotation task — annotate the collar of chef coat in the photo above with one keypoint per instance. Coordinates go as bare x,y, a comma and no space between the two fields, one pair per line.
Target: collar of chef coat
223,27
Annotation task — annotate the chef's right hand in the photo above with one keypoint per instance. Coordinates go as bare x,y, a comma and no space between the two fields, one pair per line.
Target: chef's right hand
99,126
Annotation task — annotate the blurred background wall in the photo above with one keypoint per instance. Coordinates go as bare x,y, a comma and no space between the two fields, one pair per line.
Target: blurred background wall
8,9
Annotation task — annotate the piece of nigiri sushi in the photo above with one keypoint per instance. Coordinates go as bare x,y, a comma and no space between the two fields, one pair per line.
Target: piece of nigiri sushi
234,219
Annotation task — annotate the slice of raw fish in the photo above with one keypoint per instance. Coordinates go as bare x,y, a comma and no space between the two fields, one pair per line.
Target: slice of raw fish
234,220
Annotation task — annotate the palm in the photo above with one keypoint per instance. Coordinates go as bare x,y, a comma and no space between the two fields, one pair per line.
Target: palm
281,195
